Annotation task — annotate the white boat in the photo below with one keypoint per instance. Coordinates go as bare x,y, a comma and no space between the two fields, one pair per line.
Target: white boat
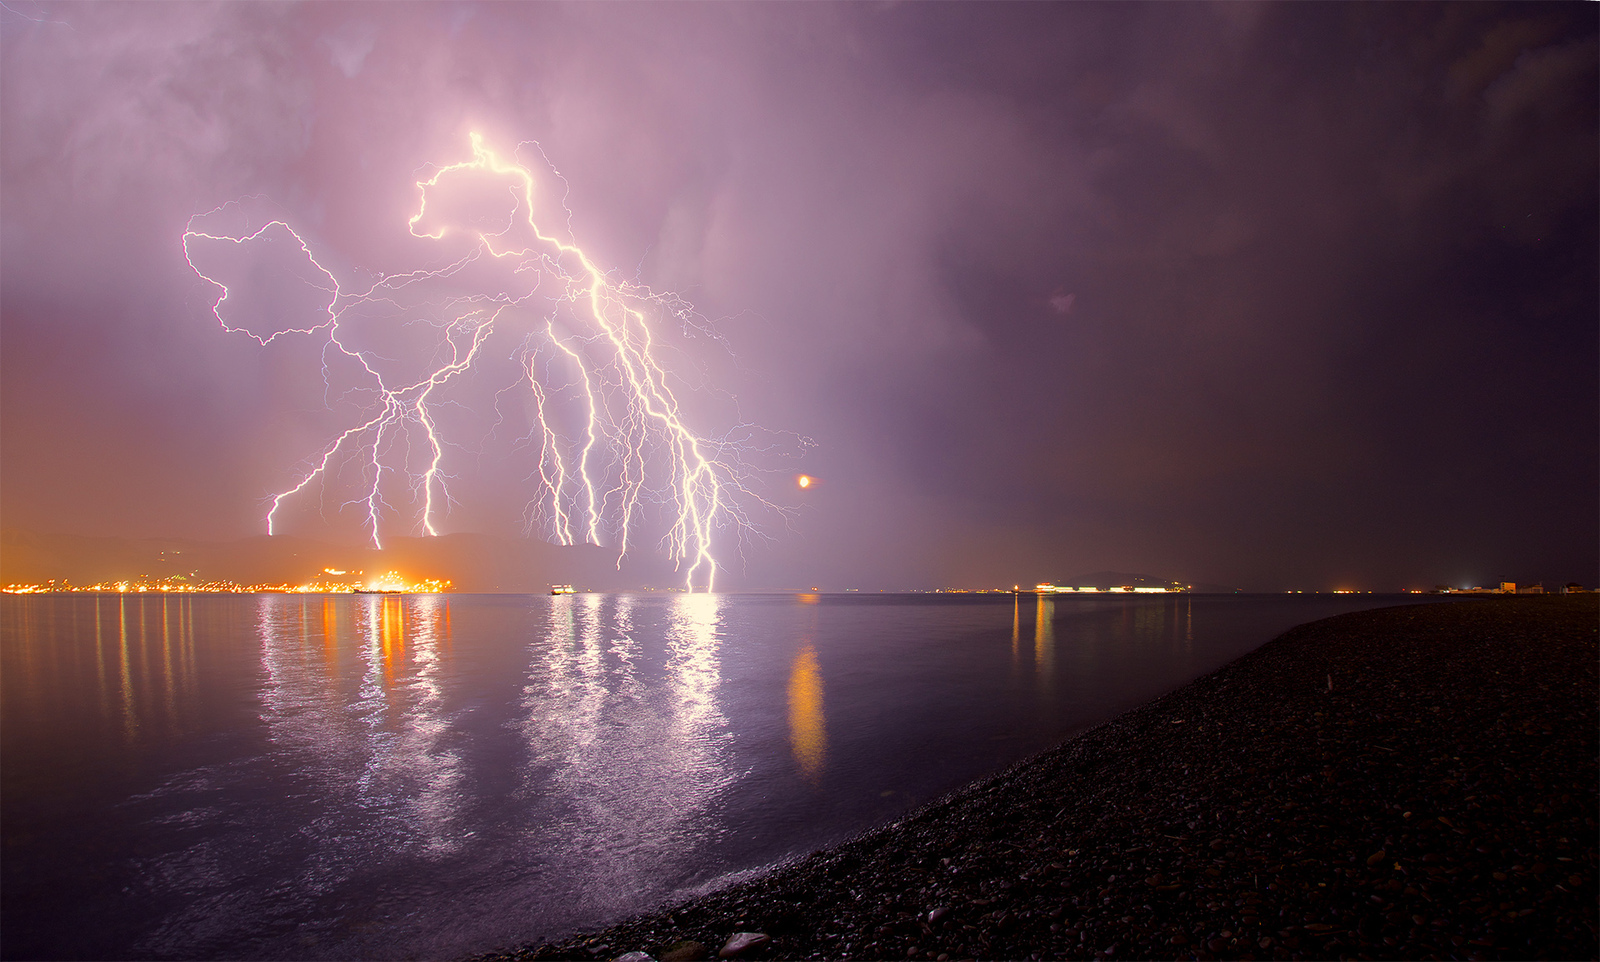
561,589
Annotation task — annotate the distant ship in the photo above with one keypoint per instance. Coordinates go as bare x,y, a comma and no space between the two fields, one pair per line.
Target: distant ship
561,589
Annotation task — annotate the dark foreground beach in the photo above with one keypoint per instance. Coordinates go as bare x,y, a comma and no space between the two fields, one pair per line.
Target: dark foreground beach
1415,782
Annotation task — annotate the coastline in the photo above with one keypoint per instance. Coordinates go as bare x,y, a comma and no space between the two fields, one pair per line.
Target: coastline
1412,782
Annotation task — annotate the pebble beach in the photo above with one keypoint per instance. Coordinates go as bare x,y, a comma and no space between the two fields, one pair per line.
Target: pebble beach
1412,782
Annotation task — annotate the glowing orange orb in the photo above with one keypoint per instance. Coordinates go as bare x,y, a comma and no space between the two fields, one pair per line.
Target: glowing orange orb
805,481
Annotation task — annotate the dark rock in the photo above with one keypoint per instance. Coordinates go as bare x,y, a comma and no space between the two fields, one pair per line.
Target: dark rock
685,952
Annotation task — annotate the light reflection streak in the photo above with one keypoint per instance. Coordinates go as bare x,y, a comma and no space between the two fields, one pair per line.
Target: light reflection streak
808,730
169,695
624,646
100,661
694,672
143,679
330,638
380,748
631,762
130,721
1044,643
154,660
1016,630
191,671
439,798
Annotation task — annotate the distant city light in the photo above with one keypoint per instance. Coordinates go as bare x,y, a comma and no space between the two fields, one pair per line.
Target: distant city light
1046,588
389,583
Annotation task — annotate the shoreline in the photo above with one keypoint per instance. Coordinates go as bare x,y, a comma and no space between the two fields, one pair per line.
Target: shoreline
1411,782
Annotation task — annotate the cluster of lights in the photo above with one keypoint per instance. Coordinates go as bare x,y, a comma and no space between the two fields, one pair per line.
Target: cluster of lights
1050,589
388,583
173,585
394,582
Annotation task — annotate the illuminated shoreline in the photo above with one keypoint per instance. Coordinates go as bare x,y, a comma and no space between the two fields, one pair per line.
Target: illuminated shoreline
390,583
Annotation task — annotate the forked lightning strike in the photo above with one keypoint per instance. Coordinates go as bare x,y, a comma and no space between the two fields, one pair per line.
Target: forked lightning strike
615,455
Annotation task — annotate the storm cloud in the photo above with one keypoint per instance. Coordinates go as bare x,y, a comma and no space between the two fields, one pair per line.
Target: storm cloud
1275,295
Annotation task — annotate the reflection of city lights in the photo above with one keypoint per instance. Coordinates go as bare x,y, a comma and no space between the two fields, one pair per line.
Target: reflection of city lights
1044,640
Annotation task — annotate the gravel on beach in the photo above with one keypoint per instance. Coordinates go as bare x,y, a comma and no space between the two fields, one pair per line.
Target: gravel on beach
1412,782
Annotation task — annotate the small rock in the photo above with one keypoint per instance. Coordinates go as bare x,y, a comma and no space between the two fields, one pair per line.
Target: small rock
636,956
685,952
937,914
740,943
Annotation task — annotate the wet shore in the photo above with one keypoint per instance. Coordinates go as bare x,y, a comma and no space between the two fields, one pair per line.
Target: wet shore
1415,782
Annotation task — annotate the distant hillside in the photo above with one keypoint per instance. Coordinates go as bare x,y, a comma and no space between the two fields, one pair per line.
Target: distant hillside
1118,579
473,562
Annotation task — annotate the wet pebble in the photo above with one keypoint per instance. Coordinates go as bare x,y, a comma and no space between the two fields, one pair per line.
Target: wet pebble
741,944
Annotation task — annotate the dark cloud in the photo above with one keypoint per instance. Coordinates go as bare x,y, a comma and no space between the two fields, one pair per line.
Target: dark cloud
1280,295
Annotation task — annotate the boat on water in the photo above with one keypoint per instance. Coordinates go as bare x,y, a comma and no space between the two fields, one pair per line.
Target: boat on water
561,589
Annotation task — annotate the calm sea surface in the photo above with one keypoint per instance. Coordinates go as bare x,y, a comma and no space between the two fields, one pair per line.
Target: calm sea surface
283,776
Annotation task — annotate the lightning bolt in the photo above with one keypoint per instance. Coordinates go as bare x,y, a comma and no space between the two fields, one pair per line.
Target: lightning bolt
615,454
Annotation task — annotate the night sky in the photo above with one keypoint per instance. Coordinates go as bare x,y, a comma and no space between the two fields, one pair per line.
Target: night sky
1278,296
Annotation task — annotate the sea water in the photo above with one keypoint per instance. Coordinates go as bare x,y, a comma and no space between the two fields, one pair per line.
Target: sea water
388,776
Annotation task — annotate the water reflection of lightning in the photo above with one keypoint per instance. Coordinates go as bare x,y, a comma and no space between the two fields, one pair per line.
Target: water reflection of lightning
614,450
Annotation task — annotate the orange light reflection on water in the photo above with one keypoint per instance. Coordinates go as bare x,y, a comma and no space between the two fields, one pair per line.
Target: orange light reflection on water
808,730
1044,642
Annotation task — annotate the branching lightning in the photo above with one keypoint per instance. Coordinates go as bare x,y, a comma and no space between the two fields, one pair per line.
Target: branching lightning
612,453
